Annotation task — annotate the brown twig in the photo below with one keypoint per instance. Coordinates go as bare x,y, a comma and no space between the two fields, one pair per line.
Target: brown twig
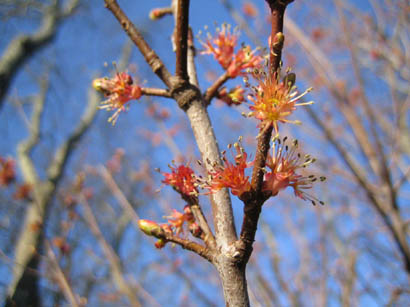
391,218
147,91
30,241
189,245
181,39
149,54
277,12
61,278
254,199
213,89
200,218
160,12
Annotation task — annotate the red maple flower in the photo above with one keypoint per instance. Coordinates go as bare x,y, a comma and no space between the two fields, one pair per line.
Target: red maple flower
273,100
284,164
222,47
249,9
234,96
23,191
244,59
119,91
230,175
176,220
7,171
182,179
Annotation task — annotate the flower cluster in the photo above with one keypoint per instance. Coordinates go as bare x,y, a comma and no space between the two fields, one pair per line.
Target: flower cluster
177,220
23,192
230,175
182,179
7,171
284,165
222,47
274,100
8,177
119,91
235,96
175,225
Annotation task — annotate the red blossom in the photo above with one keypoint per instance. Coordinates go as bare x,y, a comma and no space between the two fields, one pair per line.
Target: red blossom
273,100
114,164
230,175
160,243
23,191
182,179
244,59
222,47
233,97
119,91
284,165
176,220
7,171
62,245
249,9
155,14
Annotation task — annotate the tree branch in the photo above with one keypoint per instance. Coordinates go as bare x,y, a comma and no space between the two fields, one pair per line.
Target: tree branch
391,218
23,47
61,278
115,263
181,39
29,243
56,167
155,92
25,147
255,198
213,89
149,54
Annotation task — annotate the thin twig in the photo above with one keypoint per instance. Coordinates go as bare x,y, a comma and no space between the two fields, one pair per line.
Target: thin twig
123,201
149,54
209,238
193,79
60,277
255,198
181,39
213,89
155,92
115,263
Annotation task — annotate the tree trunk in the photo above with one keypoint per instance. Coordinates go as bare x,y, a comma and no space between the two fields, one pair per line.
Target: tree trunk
23,290
233,280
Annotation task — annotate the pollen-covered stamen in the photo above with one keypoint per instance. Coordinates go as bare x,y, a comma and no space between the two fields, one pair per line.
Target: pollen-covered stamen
119,91
176,222
284,165
222,47
273,101
229,175
182,178
235,96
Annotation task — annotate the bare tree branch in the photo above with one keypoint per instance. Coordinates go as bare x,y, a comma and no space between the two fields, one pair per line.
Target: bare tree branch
60,277
115,264
24,46
181,39
24,284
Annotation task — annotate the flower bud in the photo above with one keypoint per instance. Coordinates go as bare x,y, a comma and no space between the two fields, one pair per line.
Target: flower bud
278,40
160,243
151,228
195,230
